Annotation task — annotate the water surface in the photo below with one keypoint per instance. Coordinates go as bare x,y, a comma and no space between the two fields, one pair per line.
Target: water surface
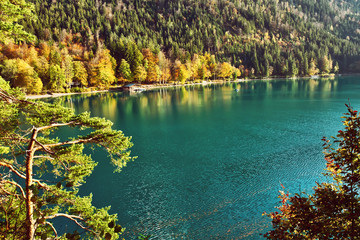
211,159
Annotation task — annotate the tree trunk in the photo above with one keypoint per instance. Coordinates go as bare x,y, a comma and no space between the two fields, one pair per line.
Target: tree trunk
30,222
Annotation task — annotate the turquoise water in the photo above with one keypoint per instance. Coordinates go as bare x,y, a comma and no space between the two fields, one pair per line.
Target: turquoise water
211,159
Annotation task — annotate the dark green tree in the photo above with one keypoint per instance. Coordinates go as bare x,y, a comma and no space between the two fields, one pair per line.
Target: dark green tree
124,70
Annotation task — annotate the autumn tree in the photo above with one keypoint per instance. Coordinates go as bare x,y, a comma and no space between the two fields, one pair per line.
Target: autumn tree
313,67
80,74
140,74
102,69
325,64
175,69
151,60
203,72
40,65
21,74
184,74
164,67
40,174
195,64
333,210
68,68
224,70
236,73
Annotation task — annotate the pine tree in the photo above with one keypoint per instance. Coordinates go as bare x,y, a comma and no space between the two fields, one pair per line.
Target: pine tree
124,70
29,201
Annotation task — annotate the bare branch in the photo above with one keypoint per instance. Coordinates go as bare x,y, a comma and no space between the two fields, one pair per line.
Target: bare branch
71,217
43,156
43,147
43,185
5,96
4,164
65,143
16,184
53,228
54,125
64,215
19,139
8,193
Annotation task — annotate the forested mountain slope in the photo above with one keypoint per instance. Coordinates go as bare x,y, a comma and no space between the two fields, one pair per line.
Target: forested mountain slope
259,34
101,42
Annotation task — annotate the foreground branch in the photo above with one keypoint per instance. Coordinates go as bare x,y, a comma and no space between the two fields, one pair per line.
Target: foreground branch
17,185
71,217
4,164
47,146
53,228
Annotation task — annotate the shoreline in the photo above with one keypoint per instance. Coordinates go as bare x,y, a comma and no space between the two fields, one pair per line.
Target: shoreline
168,85
145,86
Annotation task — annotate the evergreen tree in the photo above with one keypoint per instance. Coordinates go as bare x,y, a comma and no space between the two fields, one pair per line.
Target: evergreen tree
30,202
124,70
57,80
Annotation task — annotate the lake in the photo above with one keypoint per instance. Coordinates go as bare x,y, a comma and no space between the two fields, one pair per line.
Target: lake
212,159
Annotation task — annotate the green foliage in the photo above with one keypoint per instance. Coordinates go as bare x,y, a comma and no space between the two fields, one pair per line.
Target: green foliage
224,70
29,147
102,69
12,11
124,70
333,210
21,74
140,74
240,32
80,74
57,79
266,38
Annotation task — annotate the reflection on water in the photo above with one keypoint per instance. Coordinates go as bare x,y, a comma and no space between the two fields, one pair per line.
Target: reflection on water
158,103
210,158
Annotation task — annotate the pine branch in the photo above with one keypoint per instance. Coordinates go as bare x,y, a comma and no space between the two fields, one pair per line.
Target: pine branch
5,96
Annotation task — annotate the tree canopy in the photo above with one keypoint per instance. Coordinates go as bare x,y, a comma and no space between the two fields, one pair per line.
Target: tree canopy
333,210
40,174
11,12
257,34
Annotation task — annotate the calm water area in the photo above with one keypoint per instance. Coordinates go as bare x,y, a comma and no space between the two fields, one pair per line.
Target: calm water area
212,159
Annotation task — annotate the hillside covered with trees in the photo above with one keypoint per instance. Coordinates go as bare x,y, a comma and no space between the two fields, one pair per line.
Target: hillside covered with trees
98,43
